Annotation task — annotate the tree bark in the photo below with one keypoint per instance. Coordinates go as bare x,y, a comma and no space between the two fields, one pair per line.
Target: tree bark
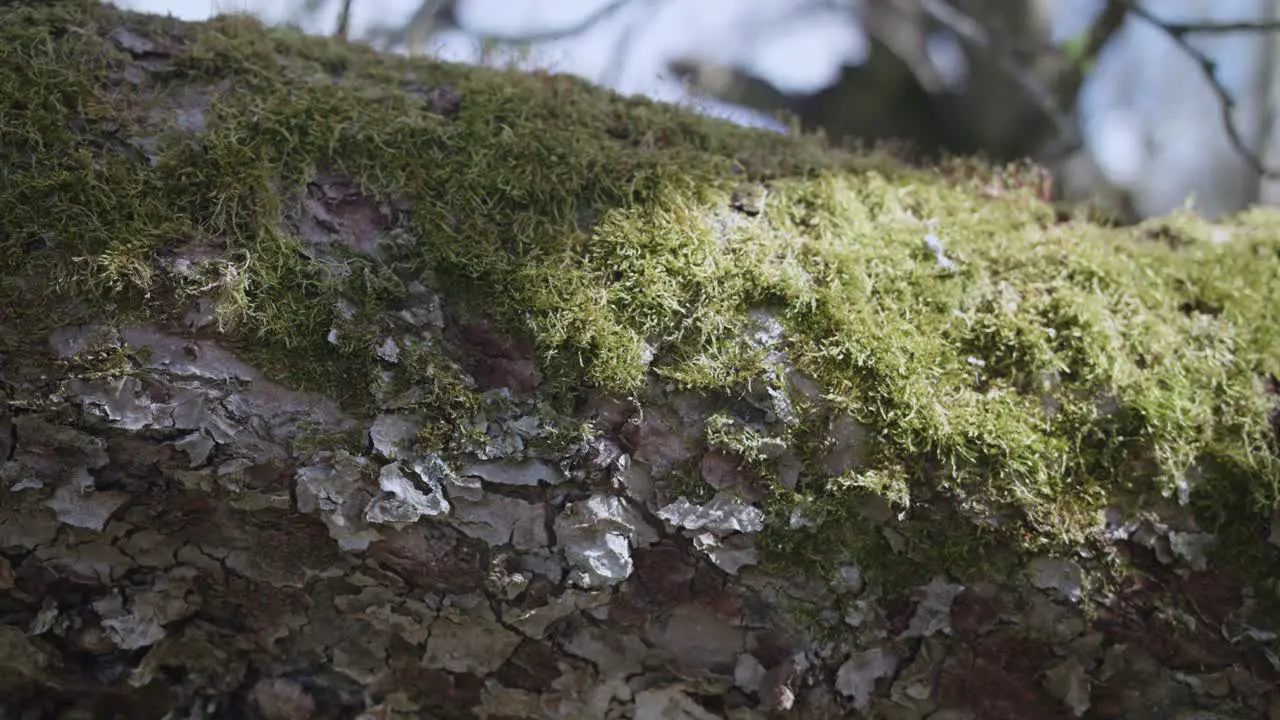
337,385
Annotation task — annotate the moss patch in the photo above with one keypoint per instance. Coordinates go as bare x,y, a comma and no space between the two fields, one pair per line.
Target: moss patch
1009,364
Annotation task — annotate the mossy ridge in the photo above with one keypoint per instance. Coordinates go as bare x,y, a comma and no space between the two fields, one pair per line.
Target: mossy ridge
598,225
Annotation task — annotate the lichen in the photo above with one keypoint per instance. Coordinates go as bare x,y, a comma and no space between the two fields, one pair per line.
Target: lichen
1008,365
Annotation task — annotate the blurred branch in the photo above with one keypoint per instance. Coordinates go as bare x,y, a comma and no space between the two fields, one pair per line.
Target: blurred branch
973,33
900,25
1177,32
1216,28
344,19
433,15
591,20
622,49
1057,102
1108,23
430,15
600,15
1104,27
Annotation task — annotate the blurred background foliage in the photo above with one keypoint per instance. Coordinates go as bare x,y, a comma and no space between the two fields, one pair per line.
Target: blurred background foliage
1137,107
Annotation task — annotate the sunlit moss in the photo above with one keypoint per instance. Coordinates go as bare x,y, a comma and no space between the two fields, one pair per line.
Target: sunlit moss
1003,359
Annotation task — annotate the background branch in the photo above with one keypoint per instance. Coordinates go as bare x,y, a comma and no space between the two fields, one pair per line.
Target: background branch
1177,32
972,32
1056,100
618,58
1218,28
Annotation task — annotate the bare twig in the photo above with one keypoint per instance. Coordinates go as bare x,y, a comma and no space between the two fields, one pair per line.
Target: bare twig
1209,69
436,14
974,34
429,15
1219,28
440,13
1109,22
595,18
344,19
1105,27
612,74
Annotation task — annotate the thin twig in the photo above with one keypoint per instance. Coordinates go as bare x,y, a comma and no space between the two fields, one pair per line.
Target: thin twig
434,14
344,19
1220,28
1209,69
1103,29
613,69
429,15
600,15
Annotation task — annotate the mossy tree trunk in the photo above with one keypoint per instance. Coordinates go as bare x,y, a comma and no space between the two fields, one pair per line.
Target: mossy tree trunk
343,385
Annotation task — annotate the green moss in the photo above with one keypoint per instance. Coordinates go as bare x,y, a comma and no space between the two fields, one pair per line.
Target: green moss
724,432
1054,368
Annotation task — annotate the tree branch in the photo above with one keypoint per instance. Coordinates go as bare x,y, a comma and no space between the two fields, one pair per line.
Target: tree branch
1177,32
591,20
344,19
1105,27
1216,28
612,74
436,14
431,14
972,32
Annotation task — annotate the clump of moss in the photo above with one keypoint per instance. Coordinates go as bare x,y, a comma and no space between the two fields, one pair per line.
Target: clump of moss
1006,361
